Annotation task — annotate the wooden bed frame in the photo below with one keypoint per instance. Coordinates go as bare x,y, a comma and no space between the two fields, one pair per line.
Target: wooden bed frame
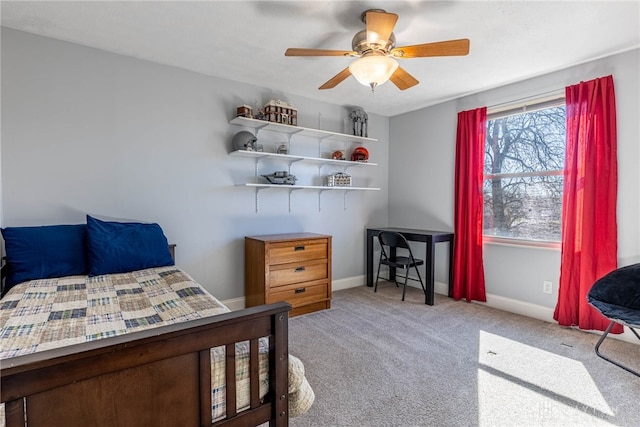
156,377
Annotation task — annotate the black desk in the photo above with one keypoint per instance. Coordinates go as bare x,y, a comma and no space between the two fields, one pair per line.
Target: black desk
430,238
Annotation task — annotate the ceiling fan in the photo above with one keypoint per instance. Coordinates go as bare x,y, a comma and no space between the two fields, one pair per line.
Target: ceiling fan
376,49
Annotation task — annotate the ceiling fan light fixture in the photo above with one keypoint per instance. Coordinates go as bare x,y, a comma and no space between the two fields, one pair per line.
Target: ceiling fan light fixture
373,70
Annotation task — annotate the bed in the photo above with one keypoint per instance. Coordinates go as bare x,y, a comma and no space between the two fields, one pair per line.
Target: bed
135,346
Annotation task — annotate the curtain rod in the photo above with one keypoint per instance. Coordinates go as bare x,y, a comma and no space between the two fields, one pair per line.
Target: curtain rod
523,103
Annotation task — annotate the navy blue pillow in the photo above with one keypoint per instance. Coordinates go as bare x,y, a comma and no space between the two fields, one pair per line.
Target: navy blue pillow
44,252
119,247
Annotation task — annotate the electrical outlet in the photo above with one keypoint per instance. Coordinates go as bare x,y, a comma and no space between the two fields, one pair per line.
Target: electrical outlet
547,287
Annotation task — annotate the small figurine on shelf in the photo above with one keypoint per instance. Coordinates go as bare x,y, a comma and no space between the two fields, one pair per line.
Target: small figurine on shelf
360,120
244,140
282,149
281,177
360,154
260,115
278,111
244,111
259,112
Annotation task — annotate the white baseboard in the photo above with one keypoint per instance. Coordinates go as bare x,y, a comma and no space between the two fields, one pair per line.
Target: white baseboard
495,301
519,307
542,313
349,282
234,303
352,282
336,285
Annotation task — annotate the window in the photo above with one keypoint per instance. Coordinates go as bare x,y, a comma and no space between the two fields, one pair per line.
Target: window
523,172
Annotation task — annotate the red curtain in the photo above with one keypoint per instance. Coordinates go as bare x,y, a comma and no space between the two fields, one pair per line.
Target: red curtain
589,227
468,268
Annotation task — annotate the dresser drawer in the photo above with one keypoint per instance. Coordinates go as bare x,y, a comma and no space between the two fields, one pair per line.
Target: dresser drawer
297,273
302,250
310,308
300,295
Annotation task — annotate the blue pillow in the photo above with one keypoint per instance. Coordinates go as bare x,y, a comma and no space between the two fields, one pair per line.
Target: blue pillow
119,247
44,252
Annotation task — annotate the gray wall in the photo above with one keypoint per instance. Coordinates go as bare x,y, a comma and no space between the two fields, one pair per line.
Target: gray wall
85,131
421,182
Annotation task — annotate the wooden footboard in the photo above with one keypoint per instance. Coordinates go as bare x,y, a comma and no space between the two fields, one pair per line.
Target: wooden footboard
156,377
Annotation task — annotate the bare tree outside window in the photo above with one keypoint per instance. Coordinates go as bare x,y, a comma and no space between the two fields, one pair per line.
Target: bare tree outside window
523,168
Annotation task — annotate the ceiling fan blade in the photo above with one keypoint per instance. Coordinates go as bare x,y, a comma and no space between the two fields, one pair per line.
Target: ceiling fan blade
335,80
458,47
318,52
402,79
379,26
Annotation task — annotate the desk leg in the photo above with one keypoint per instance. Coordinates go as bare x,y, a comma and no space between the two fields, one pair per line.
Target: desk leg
369,259
430,276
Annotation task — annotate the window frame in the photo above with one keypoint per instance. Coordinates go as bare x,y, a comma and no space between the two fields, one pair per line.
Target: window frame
554,99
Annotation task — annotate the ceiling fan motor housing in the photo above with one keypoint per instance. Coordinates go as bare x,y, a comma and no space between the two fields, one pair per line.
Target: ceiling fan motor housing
361,45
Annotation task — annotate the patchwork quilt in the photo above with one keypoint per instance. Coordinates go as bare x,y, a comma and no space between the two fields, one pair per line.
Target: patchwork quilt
50,313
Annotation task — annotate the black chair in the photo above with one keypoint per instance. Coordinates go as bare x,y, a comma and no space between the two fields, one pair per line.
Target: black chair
390,242
617,297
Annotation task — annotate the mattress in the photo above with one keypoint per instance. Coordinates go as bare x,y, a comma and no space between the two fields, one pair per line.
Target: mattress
44,314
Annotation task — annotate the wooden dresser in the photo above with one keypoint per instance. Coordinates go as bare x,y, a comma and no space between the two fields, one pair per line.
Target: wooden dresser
288,267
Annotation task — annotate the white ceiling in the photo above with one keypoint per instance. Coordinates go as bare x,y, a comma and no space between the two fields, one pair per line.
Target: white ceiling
245,40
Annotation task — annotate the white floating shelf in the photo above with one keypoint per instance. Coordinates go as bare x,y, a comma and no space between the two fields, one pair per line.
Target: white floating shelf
291,188
297,130
307,187
293,158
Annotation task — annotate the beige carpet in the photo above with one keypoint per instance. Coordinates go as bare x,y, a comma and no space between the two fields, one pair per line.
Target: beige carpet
374,360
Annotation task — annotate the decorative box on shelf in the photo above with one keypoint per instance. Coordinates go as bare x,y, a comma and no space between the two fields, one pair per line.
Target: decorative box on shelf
339,179
244,111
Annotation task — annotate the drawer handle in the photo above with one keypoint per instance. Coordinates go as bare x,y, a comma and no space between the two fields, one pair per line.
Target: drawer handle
299,269
299,248
300,290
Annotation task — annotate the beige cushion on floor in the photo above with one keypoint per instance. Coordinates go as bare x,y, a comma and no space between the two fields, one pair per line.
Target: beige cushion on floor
301,394
300,401
296,373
